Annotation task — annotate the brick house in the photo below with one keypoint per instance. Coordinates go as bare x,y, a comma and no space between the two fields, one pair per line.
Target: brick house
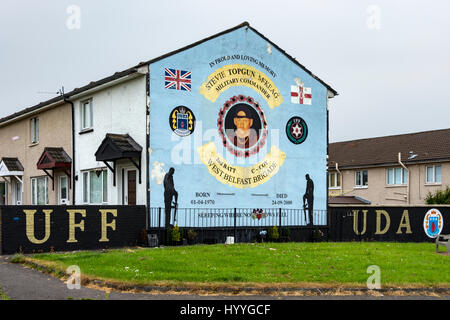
35,155
391,170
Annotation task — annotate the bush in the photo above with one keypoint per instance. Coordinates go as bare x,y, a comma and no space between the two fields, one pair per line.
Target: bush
273,233
286,233
191,234
317,234
176,234
438,197
169,234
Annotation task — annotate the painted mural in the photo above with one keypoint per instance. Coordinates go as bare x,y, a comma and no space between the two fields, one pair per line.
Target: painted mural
247,128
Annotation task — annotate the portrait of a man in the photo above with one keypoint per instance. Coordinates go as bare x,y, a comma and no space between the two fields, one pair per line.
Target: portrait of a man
242,126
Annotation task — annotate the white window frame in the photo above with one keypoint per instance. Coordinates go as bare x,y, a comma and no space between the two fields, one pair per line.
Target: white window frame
434,174
402,177
83,125
34,199
34,130
336,185
361,186
86,187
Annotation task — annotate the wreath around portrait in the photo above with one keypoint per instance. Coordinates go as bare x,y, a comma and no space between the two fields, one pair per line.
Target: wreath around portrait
221,123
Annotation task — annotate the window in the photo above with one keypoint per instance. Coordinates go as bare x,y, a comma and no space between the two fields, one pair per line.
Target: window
34,135
434,174
86,115
39,191
361,178
396,176
3,194
95,186
334,180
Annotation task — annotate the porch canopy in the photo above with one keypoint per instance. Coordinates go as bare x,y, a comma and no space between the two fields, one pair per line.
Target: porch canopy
11,167
55,159
116,147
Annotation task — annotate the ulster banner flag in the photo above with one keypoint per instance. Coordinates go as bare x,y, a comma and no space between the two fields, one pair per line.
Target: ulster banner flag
301,95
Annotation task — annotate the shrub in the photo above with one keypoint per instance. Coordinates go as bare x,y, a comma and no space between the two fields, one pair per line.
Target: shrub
438,197
169,234
176,234
191,234
317,234
286,233
273,233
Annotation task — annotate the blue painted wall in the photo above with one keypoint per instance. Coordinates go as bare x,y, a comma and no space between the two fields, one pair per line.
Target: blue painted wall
192,177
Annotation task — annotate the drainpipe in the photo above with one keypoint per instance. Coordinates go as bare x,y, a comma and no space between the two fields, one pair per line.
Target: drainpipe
341,178
73,149
407,185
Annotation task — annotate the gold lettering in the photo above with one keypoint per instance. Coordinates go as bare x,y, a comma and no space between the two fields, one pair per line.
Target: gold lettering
30,226
105,224
388,221
404,223
355,222
240,75
241,177
73,225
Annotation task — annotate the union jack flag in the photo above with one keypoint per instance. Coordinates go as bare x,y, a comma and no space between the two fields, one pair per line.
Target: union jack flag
177,79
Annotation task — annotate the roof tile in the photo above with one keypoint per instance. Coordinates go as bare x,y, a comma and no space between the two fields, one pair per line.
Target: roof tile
414,147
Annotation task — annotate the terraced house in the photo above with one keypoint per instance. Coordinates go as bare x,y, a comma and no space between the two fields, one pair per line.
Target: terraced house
391,170
230,93
35,155
110,138
101,120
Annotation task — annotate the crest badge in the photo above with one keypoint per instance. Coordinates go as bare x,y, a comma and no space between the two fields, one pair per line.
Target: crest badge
433,223
296,130
182,121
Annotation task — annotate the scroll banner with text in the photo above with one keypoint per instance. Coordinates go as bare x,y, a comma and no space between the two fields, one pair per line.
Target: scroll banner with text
241,177
241,75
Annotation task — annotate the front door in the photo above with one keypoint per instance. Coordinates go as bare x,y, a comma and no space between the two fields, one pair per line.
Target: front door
130,187
18,193
64,190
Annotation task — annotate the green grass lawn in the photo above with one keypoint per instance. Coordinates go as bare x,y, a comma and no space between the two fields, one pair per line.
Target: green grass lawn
401,264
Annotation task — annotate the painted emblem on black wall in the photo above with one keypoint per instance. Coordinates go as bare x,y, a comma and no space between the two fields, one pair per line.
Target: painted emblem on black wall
242,126
296,130
433,223
182,121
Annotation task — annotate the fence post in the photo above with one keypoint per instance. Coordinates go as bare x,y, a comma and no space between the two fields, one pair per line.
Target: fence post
159,217
161,240
279,227
235,230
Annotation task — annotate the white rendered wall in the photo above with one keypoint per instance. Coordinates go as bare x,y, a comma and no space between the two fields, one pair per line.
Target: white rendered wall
120,109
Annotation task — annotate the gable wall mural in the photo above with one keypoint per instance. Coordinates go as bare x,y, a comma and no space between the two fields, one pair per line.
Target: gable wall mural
240,124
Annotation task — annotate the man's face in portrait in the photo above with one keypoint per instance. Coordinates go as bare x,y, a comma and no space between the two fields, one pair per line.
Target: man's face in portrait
243,124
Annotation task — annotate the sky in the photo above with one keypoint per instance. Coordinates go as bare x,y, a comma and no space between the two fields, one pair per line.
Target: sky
388,60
